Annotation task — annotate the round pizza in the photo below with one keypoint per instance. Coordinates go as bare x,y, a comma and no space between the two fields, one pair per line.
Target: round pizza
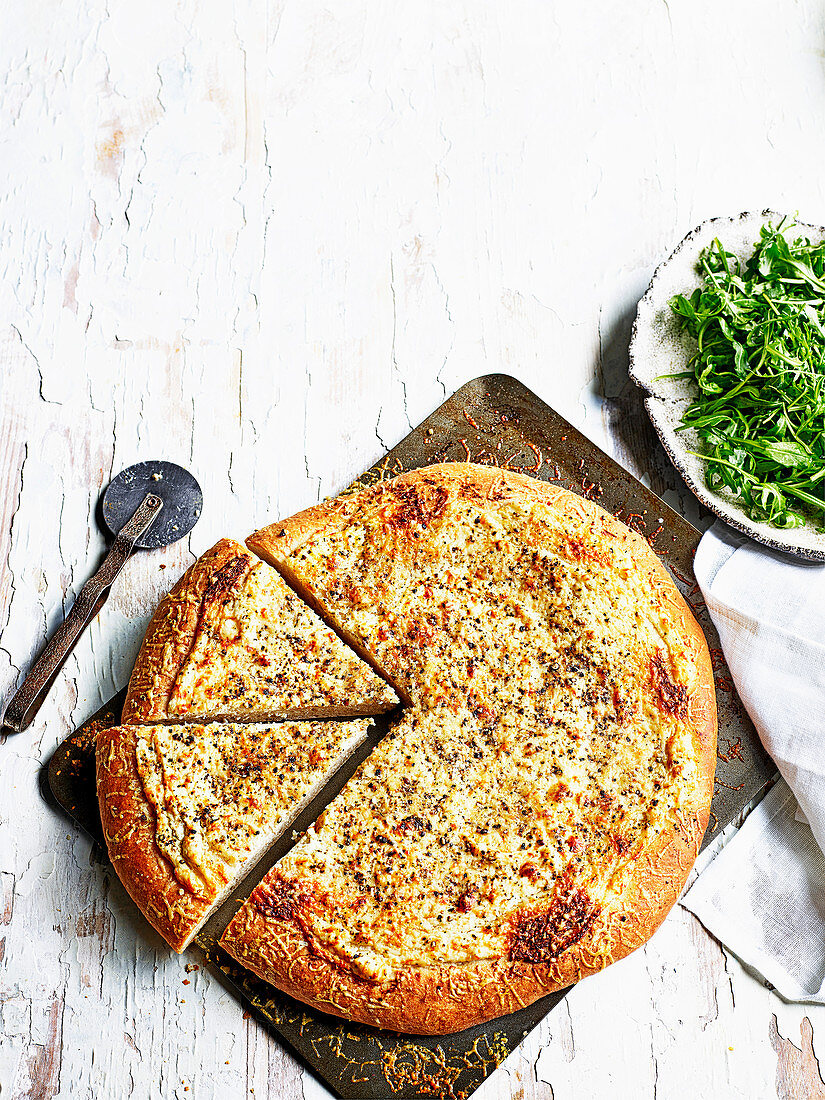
533,813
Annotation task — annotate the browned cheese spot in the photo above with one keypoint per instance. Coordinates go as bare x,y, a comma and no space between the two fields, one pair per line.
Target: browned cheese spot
226,580
411,824
543,937
277,899
419,504
672,698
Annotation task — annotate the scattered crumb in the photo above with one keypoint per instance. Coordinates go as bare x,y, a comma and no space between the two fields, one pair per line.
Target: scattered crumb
190,968
157,477
186,981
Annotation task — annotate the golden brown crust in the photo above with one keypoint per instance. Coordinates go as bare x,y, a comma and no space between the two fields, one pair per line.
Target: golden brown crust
129,829
273,941
171,633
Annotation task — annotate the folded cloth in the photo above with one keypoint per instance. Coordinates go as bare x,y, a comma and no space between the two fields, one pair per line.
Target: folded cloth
764,898
764,894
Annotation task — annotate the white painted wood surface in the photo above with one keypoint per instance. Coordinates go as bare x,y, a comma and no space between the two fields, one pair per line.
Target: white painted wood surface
263,239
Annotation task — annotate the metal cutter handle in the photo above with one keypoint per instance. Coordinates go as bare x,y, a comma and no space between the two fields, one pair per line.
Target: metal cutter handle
31,693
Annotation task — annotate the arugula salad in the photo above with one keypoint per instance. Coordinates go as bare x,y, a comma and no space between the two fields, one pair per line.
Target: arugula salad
760,370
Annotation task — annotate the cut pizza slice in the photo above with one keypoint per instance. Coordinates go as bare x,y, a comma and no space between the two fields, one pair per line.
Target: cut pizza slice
233,641
187,810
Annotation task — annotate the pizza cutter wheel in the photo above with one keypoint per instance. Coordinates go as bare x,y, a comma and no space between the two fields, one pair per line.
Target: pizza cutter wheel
149,505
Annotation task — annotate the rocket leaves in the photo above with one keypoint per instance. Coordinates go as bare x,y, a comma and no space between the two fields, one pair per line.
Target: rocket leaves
759,366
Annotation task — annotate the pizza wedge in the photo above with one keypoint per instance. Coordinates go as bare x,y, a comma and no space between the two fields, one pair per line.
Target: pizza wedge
233,641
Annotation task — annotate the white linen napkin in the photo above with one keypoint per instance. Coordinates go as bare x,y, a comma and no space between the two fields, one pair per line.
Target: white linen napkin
763,896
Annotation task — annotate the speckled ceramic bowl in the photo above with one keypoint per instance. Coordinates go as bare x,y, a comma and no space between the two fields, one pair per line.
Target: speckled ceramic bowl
658,347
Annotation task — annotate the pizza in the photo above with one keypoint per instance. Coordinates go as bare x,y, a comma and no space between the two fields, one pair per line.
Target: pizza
188,809
534,811
233,641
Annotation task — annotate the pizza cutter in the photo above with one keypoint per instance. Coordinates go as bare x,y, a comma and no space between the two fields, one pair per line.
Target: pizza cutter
149,505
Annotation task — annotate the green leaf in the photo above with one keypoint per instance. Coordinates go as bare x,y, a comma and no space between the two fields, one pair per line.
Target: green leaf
783,453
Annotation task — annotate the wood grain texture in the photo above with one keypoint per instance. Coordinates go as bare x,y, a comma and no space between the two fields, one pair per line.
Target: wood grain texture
262,239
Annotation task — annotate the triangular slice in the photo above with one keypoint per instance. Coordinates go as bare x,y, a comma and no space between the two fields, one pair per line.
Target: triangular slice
187,810
233,641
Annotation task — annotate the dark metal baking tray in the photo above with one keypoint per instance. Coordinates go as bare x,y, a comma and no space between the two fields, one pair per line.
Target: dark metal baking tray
495,420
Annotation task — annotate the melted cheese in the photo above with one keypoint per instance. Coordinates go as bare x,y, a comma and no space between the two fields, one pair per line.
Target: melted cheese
260,650
222,793
548,745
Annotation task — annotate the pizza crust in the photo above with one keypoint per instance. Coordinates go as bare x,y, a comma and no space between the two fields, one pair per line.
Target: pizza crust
170,635
129,830
437,999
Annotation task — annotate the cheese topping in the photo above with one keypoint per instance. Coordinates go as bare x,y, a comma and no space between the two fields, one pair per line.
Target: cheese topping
550,742
259,650
222,793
